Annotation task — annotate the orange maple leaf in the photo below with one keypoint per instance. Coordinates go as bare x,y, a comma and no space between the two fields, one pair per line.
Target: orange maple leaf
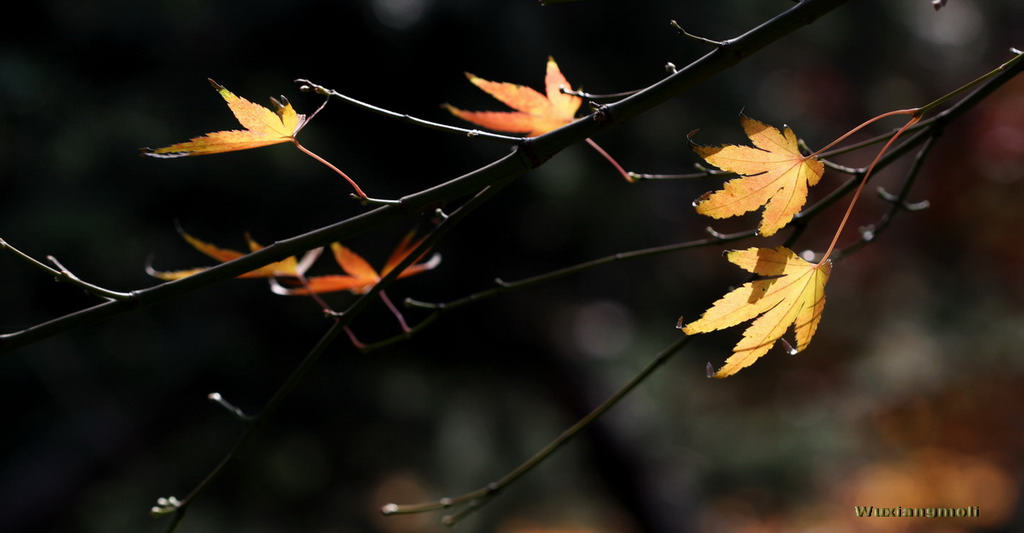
535,113
263,127
772,173
359,276
790,292
290,267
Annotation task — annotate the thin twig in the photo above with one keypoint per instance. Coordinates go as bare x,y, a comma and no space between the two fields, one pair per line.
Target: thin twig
306,85
873,140
597,148
63,274
912,112
181,506
915,117
477,498
841,168
860,187
850,184
1004,71
502,286
237,412
340,322
705,40
326,163
897,203
593,96
702,173
394,311
405,335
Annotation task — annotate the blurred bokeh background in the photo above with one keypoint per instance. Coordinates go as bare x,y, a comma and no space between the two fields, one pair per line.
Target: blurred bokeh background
909,395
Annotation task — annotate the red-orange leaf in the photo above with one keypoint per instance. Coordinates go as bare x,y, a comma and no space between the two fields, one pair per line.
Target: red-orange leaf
290,267
535,113
773,173
359,276
263,127
790,292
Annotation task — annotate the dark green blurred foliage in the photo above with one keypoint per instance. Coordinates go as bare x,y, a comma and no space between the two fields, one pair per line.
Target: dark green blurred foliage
103,420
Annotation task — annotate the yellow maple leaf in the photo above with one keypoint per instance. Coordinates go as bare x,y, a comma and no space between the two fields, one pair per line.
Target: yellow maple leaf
263,127
290,267
359,276
535,113
773,173
790,292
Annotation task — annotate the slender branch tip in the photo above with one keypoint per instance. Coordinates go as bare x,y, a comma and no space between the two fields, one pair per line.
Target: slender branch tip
715,233
698,38
167,505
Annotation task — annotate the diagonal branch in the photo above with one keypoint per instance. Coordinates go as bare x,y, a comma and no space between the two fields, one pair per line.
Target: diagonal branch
897,203
306,85
800,221
529,153
508,167
505,286
475,499
340,322
60,273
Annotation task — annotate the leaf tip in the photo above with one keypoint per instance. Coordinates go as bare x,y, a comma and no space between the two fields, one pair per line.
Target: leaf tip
155,152
215,85
279,104
700,199
453,110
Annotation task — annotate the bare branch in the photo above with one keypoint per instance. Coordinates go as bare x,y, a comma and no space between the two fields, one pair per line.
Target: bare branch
896,203
697,38
340,322
475,499
530,153
306,85
60,273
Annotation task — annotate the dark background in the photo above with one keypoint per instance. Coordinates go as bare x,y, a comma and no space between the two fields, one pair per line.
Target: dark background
910,393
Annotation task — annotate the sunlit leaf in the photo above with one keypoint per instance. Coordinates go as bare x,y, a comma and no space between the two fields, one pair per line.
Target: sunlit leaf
773,173
290,267
535,113
359,276
263,127
790,292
